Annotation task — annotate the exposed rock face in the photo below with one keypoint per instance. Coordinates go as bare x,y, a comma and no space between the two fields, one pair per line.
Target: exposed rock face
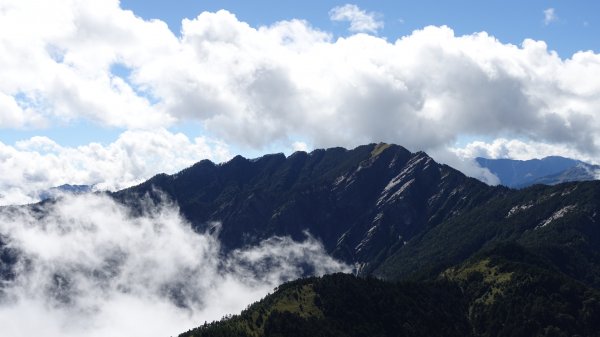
363,204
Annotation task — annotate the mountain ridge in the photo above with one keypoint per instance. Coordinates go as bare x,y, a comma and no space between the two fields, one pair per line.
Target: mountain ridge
523,262
358,202
494,244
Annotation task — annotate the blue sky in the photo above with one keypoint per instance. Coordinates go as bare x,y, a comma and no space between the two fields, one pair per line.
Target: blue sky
91,94
511,21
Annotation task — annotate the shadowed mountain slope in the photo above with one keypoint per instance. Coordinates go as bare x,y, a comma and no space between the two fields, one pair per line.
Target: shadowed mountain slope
499,262
363,204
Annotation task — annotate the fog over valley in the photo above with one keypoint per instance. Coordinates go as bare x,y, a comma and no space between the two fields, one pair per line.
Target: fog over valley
84,266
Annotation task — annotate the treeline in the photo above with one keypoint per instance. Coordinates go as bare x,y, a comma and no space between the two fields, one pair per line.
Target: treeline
350,306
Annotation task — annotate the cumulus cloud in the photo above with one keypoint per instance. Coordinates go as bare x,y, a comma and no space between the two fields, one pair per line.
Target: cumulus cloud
421,91
252,87
549,16
86,267
132,158
360,20
59,66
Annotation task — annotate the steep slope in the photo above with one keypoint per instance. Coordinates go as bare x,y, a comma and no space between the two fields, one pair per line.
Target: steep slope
526,263
363,204
561,224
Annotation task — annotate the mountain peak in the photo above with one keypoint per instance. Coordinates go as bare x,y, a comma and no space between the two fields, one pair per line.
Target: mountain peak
238,159
358,202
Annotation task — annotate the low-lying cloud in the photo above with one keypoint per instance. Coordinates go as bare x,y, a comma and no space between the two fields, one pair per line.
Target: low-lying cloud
34,165
86,267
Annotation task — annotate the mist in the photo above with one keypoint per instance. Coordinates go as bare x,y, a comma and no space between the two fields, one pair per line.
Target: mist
86,266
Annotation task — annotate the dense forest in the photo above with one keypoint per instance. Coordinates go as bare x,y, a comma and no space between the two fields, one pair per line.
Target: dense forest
482,298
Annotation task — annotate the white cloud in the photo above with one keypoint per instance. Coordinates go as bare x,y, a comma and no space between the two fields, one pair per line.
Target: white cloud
132,158
14,115
88,268
464,162
58,56
360,21
252,87
550,16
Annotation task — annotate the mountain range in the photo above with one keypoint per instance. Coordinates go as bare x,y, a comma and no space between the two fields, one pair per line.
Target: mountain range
56,192
364,204
500,262
434,251
548,171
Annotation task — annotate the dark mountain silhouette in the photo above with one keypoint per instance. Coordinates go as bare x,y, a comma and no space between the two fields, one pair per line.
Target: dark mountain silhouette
394,214
485,252
363,204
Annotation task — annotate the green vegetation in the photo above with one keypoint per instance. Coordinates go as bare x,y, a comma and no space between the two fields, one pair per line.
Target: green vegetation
379,148
491,277
509,294
489,295
344,305
296,298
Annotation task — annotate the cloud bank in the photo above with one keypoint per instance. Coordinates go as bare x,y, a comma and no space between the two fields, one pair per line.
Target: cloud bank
287,84
88,268
34,165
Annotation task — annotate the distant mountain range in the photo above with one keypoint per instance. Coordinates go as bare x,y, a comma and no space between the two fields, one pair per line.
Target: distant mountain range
452,255
549,171
57,191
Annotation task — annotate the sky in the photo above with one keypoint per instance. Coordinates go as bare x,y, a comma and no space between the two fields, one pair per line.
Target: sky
110,93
